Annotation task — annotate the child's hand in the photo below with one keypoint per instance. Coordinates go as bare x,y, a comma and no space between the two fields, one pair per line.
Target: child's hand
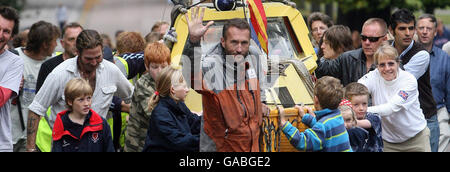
310,111
282,115
301,112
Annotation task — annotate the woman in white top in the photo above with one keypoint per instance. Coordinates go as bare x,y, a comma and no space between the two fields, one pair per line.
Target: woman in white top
395,98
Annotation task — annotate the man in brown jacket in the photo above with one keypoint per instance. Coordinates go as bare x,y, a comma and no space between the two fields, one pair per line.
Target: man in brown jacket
228,78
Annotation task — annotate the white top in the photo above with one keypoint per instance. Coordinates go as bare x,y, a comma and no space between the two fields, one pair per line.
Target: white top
30,75
109,82
11,69
397,102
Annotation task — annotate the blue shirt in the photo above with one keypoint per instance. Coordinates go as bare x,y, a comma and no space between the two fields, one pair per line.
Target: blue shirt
326,133
439,77
440,40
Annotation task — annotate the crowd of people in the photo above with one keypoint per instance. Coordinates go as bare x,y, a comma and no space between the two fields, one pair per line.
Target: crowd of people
388,93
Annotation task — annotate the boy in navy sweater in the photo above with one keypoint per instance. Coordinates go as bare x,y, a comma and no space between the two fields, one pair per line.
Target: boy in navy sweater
80,129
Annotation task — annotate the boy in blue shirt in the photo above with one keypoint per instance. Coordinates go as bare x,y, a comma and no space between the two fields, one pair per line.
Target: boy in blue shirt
358,95
327,131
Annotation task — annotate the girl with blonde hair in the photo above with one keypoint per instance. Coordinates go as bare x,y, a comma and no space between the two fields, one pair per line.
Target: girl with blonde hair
173,127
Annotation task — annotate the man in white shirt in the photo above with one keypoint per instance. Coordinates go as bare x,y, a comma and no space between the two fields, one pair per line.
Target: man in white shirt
40,46
11,68
104,77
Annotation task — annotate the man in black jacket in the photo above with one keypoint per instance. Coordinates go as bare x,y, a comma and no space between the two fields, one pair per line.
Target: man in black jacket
352,65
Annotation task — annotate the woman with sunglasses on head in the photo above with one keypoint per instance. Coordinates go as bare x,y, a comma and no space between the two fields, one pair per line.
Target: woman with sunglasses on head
395,98
352,65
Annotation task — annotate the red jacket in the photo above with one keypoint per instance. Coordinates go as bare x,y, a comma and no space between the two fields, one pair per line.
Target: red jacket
232,109
95,136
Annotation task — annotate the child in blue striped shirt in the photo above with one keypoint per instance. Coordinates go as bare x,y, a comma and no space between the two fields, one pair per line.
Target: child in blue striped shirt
327,131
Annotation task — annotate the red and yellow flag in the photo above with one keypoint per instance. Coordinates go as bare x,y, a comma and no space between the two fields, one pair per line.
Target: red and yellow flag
258,24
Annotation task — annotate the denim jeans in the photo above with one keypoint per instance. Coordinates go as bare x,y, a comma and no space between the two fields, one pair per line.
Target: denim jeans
433,125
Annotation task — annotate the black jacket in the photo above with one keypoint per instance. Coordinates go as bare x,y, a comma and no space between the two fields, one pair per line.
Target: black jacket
348,67
93,136
426,99
173,128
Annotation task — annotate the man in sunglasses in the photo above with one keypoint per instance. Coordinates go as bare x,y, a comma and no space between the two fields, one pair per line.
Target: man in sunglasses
416,60
352,65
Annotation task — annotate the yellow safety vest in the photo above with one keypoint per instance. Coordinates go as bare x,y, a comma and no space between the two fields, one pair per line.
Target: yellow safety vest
123,114
44,134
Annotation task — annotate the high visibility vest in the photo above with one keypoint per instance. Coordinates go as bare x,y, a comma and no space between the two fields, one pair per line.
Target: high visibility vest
122,64
56,53
44,134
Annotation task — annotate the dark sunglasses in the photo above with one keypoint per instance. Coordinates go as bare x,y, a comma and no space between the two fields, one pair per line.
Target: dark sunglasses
390,64
371,39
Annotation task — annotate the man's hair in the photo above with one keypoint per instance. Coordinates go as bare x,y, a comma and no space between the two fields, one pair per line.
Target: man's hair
11,14
153,37
157,25
380,22
329,92
237,23
318,16
402,16
156,53
431,17
339,38
70,25
41,33
75,88
88,39
130,42
355,89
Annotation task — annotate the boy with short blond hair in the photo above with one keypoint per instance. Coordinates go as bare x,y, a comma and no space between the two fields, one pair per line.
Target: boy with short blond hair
79,128
327,131
358,95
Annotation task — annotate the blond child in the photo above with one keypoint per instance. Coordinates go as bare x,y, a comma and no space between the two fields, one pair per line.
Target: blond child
327,130
358,95
79,128
173,127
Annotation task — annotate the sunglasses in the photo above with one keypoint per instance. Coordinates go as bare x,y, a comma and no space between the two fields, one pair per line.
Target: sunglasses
371,39
390,64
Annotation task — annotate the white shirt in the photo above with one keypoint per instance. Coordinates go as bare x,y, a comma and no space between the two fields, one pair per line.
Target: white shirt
30,75
397,102
418,64
109,82
11,69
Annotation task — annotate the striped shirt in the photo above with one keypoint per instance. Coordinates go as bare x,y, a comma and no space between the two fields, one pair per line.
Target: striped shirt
109,82
326,133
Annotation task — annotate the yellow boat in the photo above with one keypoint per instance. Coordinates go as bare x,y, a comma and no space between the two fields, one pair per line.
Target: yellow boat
289,48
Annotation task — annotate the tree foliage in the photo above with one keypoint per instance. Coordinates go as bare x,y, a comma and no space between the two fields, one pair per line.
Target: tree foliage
374,5
17,4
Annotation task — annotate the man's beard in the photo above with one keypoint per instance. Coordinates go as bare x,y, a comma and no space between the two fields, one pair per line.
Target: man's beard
3,43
